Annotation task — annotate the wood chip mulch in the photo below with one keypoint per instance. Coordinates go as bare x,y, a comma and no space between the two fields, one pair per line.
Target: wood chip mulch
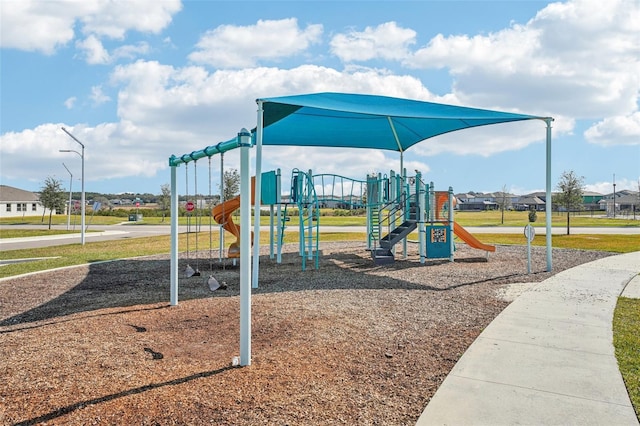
350,343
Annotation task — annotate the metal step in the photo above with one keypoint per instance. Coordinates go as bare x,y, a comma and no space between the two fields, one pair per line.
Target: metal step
389,240
382,256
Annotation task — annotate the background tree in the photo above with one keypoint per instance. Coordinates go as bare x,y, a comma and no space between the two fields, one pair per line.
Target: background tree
52,196
104,201
504,201
231,180
164,201
569,196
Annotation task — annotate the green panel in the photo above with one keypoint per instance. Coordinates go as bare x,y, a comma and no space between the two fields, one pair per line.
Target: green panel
269,188
438,242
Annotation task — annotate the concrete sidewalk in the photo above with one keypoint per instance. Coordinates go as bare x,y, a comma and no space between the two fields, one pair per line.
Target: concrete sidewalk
548,358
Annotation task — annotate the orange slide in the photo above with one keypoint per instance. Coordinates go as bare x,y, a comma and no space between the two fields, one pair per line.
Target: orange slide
470,239
442,197
223,214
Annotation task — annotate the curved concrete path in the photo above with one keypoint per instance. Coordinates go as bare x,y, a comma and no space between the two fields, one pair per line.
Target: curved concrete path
548,358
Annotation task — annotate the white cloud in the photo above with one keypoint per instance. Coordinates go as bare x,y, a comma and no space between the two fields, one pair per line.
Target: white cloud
621,130
160,95
35,26
93,51
130,51
231,46
44,26
114,18
95,54
164,110
70,102
579,58
386,41
97,95
621,184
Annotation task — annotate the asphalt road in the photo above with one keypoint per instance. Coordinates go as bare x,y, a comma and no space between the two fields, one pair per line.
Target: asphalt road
126,231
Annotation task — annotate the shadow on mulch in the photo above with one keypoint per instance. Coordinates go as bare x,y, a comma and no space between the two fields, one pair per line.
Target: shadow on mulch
140,281
82,404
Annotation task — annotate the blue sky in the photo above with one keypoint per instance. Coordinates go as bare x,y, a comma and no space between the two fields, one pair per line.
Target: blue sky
138,81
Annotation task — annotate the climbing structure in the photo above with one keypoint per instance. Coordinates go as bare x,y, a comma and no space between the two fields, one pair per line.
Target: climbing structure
303,196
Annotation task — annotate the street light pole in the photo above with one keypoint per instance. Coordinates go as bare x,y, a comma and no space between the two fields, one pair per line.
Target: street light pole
69,205
82,201
614,195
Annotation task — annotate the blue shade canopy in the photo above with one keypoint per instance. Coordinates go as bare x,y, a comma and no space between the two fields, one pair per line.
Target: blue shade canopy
367,121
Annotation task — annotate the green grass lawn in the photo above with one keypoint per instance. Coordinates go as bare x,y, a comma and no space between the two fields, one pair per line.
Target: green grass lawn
487,218
597,242
7,232
626,340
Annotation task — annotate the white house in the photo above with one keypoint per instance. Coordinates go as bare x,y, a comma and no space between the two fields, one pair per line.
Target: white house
15,202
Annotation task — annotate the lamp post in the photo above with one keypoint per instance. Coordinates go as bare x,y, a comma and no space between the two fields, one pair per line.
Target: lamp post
69,205
614,195
82,202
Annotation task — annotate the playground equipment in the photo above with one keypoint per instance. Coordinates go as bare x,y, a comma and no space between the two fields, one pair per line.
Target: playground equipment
442,198
409,206
223,215
333,120
303,196
395,205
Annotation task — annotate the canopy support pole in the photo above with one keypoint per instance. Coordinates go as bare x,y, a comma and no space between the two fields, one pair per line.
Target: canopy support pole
245,249
548,201
258,195
222,200
174,238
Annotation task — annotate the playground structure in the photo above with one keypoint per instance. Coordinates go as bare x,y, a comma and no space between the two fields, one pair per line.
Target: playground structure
395,206
338,120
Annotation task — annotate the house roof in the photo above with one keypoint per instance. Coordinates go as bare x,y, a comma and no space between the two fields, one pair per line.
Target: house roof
530,200
12,194
367,121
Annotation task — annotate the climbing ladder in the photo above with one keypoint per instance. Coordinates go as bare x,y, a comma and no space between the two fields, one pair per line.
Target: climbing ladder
303,195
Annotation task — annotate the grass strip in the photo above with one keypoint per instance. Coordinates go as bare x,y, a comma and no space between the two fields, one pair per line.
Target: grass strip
598,242
25,233
626,340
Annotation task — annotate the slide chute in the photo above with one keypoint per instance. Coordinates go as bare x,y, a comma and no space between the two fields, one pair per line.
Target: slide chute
442,199
223,215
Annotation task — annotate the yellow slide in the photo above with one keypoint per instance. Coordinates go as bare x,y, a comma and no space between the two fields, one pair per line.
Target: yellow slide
223,214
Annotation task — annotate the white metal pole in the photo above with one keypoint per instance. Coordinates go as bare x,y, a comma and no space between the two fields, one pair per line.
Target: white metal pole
83,203
70,194
407,193
174,238
271,231
258,192
421,217
451,224
279,215
222,200
310,216
245,249
548,199
82,200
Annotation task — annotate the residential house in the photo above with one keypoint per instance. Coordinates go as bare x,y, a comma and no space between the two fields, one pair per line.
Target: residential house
626,202
482,201
530,202
15,202
591,200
